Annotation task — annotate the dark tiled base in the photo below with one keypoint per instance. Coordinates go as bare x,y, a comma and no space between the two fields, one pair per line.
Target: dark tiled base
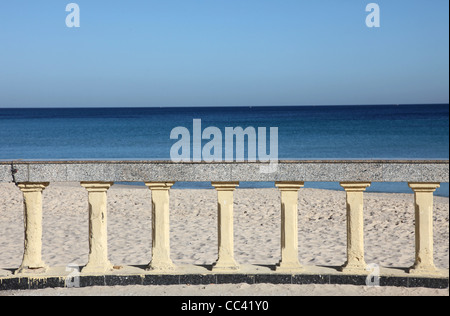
311,279
235,278
194,279
348,279
394,281
34,284
161,280
14,284
25,283
428,283
113,280
86,281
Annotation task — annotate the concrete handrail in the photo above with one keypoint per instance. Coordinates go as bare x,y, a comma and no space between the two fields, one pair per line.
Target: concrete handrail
162,171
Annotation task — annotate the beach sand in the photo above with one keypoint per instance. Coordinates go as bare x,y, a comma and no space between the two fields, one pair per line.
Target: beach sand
389,235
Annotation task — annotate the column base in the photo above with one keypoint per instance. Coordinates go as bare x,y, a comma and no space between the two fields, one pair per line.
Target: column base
289,267
225,266
355,269
36,269
90,268
161,266
418,270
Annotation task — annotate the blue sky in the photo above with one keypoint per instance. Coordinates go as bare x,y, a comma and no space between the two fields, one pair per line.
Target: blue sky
223,53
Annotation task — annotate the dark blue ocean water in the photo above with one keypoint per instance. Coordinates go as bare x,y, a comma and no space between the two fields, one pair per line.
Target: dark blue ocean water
333,132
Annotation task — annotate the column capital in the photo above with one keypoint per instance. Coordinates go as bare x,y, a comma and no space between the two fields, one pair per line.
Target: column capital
290,185
424,187
33,187
96,186
355,186
159,185
225,186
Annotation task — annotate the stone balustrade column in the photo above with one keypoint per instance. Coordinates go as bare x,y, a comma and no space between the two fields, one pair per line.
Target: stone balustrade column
32,205
355,227
289,226
160,226
225,261
423,200
98,236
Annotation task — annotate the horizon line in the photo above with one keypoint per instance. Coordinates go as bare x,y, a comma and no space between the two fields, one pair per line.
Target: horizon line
223,106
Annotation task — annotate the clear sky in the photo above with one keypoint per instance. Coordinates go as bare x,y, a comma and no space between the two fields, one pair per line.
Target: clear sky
223,53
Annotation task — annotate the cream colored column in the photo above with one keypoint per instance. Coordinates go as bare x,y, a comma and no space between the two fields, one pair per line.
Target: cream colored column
225,261
32,205
355,227
160,227
423,200
98,236
289,226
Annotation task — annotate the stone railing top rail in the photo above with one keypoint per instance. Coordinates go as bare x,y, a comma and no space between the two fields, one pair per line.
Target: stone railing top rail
162,171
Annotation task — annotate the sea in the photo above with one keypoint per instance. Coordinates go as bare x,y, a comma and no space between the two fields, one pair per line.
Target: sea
418,131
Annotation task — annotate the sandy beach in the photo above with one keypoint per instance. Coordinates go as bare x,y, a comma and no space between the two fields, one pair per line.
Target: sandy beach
389,235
